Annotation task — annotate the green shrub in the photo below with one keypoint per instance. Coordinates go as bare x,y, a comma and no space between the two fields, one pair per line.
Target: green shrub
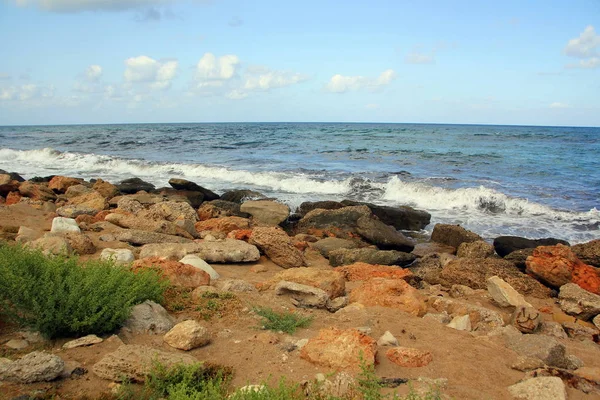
61,296
287,322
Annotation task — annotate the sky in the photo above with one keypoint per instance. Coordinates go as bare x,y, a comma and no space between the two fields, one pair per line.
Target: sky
534,62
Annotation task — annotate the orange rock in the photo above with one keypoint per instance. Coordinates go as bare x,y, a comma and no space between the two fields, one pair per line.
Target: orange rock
409,357
394,293
332,282
101,215
36,191
106,189
362,271
240,234
546,309
177,273
301,245
13,198
587,277
88,219
223,224
60,184
340,349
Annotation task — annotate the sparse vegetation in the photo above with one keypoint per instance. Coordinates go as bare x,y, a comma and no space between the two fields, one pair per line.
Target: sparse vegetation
62,296
287,322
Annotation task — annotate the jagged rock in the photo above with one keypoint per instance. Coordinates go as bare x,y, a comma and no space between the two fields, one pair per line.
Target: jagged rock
141,223
526,319
338,386
540,388
527,364
369,255
578,302
384,236
200,264
241,195
505,245
70,211
129,205
546,348
461,323
170,251
227,251
387,339
425,249
34,367
79,242
187,335
134,185
91,200
223,224
82,341
178,274
584,379
302,295
173,211
138,237
36,191
106,189
576,330
340,349
519,257
325,246
308,206
220,208
149,317
266,211
551,328
183,184
363,271
401,218
60,184
484,319
77,190
394,293
332,282
8,185
477,249
459,291
338,223
278,246
504,294
408,357
60,225
133,362
589,252
118,256
453,235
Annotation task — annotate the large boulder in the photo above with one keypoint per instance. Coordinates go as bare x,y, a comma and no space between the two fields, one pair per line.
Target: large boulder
173,211
278,246
332,282
223,224
241,195
588,252
394,293
183,184
362,271
337,223
36,191
134,185
178,274
384,236
60,184
227,251
369,255
401,218
505,245
34,367
140,223
266,212
578,302
220,208
170,251
340,349
557,266
326,245
453,235
149,317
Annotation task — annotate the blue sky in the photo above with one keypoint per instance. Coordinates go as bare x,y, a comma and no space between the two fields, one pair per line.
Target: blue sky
119,61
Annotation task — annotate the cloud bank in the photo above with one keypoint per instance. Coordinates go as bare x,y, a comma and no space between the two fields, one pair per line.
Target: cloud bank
342,84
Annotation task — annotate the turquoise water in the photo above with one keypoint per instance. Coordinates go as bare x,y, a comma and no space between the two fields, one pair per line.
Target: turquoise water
524,180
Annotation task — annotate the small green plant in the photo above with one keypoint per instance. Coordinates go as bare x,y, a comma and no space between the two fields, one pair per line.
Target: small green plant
61,296
287,322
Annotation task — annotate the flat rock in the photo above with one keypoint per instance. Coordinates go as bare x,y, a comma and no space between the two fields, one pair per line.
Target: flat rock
539,388
504,294
170,251
453,235
134,185
363,271
82,341
118,256
138,237
394,293
266,212
331,282
384,236
340,349
149,317
302,295
34,367
235,285
409,357
142,222
578,302
370,256
61,225
223,224
326,245
546,348
187,335
278,246
227,251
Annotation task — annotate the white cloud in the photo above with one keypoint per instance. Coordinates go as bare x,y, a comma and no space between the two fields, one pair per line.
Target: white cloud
272,80
93,73
26,93
236,95
144,69
557,104
419,58
74,6
213,72
585,45
341,84
593,62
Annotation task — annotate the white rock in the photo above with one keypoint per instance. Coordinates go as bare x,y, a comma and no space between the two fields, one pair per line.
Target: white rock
119,256
61,224
387,339
504,294
540,388
201,264
462,323
82,341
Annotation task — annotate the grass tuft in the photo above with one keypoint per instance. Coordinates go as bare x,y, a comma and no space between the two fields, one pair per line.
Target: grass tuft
287,322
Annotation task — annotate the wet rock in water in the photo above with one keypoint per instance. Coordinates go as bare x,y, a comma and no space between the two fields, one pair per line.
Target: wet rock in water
134,185
34,367
278,246
339,222
578,302
401,218
118,256
539,388
183,184
477,249
526,319
394,293
369,255
363,271
340,349
179,274
266,212
326,245
505,245
187,335
149,317
453,235
227,251
409,357
241,195
557,266
589,252
302,295
332,282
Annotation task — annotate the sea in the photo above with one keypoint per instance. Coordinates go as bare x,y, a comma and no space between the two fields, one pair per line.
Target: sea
530,181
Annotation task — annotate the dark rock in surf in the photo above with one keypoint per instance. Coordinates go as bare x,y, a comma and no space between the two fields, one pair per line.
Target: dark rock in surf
13,176
402,218
241,195
41,179
183,184
505,245
386,237
308,206
134,185
453,235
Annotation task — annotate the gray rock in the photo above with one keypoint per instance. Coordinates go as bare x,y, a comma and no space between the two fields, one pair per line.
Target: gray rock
132,362
61,225
118,256
387,339
169,251
401,218
302,295
588,252
519,257
227,251
551,328
149,317
477,249
335,304
369,255
188,226
266,212
546,348
201,264
505,245
384,236
134,185
580,332
325,246
138,237
578,302
241,195
184,184
540,388
453,235
442,318
572,362
34,367
17,344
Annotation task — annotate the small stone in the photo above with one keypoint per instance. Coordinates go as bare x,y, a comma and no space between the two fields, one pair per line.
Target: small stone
409,357
573,362
527,364
235,285
442,318
461,323
61,224
258,268
338,303
187,335
526,319
504,294
118,256
83,341
17,344
540,388
201,264
149,317
458,291
387,339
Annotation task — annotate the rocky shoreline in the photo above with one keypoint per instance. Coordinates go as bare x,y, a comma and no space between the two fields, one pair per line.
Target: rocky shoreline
362,271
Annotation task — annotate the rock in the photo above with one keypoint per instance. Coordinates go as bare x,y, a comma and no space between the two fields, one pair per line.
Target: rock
60,184
384,236
578,331
453,235
409,357
459,291
278,246
394,293
340,349
60,225
578,302
596,321
527,364
8,185
133,362
227,251
173,211
183,184
336,223
134,185
461,323
308,206
34,367
91,200
170,251
188,226
428,267
118,256
142,223
387,339
187,335
335,304
557,266
302,295
586,381
82,341
332,282
235,285
401,218
266,212
526,319
483,320
474,272
80,242
50,244
339,386
505,245
519,257
36,191
325,246
370,256
13,198
573,362
178,274
442,318
477,249
70,211
220,208
551,328
363,271
138,237
77,190
200,264
17,344
223,224
425,249
546,348
149,317
504,294
129,205
588,253
106,189
241,195
540,388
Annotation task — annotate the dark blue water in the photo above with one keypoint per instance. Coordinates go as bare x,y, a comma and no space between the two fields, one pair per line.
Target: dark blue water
531,181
